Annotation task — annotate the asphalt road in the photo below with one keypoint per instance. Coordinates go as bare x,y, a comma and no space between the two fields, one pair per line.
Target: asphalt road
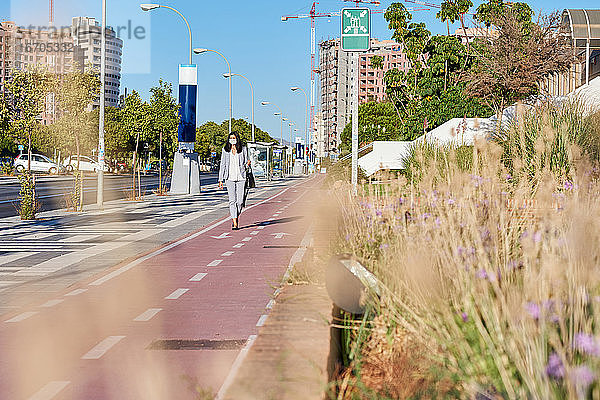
53,191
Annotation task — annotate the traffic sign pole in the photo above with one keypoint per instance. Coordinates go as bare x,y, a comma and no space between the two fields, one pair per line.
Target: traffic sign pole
356,37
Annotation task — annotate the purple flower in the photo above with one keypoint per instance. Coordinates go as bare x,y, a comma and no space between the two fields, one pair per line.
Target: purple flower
464,316
425,216
438,221
537,237
587,344
347,237
508,177
533,309
568,185
384,246
451,202
582,376
379,213
482,274
555,368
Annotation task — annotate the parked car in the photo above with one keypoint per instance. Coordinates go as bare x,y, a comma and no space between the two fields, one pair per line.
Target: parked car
39,163
85,164
153,166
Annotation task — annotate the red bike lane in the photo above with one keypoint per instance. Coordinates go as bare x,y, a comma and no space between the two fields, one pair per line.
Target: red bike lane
169,325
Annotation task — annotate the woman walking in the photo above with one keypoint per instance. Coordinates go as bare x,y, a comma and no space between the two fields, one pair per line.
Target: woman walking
234,161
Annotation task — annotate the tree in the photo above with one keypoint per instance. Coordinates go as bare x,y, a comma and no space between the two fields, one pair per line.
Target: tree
165,119
26,91
510,66
136,120
454,10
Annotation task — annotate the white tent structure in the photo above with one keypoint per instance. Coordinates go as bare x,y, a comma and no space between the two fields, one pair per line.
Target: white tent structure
464,131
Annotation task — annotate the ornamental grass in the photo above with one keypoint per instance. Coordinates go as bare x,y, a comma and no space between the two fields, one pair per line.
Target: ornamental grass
491,273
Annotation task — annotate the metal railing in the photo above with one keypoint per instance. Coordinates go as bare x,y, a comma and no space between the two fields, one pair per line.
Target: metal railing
361,150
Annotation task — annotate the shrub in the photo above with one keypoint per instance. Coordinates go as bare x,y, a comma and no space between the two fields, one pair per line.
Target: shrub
28,205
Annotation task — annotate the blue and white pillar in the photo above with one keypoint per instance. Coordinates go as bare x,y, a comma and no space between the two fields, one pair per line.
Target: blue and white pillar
186,172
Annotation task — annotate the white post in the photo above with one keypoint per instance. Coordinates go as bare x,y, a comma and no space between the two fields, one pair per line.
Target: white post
354,58
100,191
587,62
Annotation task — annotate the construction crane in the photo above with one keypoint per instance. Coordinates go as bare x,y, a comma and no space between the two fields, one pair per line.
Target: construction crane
51,13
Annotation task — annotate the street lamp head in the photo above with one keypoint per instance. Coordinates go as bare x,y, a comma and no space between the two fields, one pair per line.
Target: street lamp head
264,103
227,75
295,88
200,51
148,7
277,113
285,119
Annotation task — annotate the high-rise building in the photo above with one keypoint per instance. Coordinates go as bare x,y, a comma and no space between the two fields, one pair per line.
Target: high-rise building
87,36
336,71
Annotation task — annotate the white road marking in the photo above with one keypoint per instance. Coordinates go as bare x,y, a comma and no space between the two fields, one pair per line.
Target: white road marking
79,238
261,320
227,254
139,221
260,227
276,215
4,284
270,304
246,239
279,235
101,348
37,236
198,277
235,367
270,219
22,316
8,258
186,218
50,390
224,235
214,263
237,246
254,232
76,292
58,263
147,315
52,303
176,294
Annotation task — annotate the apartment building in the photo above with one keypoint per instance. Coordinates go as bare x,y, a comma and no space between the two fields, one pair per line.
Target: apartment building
336,72
60,50
23,47
87,36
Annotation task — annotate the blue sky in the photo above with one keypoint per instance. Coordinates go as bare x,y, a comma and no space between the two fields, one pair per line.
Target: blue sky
271,53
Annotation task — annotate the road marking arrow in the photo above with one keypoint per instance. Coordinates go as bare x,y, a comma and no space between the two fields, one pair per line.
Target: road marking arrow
279,235
224,235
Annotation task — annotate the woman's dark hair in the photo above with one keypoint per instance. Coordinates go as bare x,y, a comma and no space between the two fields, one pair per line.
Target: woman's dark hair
238,144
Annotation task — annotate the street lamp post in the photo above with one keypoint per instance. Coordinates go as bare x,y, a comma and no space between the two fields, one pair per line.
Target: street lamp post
100,189
265,103
185,178
149,7
306,136
229,75
200,51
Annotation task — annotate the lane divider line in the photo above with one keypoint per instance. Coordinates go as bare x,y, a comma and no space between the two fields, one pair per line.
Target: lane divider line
176,294
198,277
260,227
239,245
127,267
214,263
101,348
50,390
247,239
22,316
227,254
52,303
76,292
270,304
147,315
254,232
261,320
235,367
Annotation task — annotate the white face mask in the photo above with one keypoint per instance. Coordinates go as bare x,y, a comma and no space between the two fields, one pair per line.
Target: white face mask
232,141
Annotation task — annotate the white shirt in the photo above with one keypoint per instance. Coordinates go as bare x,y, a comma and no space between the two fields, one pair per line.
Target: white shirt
234,167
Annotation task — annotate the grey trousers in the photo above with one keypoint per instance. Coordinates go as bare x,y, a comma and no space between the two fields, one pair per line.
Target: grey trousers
235,190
